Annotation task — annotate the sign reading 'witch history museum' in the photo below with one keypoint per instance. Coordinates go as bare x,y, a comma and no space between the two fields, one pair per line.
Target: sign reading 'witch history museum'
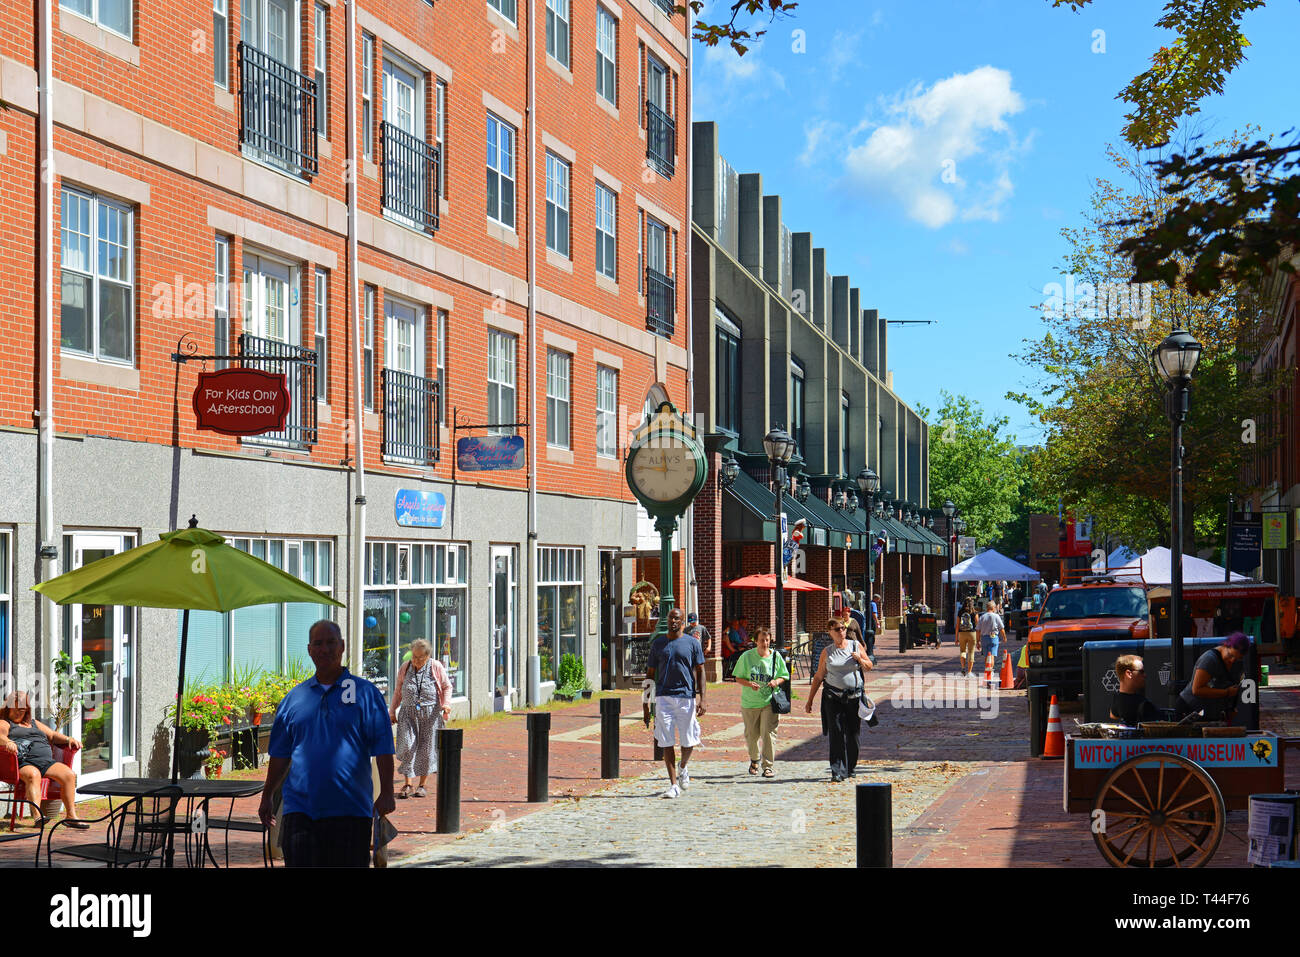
241,401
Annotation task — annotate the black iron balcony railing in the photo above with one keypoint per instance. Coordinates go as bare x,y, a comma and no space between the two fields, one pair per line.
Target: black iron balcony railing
660,303
411,416
270,355
410,176
277,115
660,139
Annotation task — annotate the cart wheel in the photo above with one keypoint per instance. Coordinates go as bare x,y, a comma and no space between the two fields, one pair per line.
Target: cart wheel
1174,821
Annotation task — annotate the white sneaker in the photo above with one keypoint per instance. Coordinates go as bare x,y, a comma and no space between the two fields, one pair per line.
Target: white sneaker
672,792
683,778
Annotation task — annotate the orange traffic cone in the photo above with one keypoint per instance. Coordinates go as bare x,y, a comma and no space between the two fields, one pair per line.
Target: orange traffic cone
1008,673
988,670
1054,745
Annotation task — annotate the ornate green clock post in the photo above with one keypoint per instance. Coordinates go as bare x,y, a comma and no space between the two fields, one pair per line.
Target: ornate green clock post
666,468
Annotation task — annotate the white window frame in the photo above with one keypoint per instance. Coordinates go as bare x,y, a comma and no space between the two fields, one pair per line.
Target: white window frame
320,63
606,411
501,378
606,55
558,177
561,566
559,407
221,43
507,9
442,365
392,305
221,299
606,238
440,128
392,66
502,139
92,237
559,45
94,15
664,261
266,267
367,96
369,348
321,328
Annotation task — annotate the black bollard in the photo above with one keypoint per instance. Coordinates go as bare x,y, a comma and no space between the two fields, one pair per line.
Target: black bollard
1038,702
609,709
539,761
450,742
875,825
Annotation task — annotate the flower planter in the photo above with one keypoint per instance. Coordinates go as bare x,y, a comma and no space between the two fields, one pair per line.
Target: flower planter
193,752
586,694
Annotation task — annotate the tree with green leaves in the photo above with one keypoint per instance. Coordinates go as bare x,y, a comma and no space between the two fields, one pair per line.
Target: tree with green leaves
973,461
1233,214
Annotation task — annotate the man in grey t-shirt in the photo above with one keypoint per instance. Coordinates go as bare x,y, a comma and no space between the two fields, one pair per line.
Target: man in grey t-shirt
991,629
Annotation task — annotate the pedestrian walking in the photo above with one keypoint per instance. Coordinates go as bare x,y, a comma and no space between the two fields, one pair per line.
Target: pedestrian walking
678,664
760,671
696,628
423,693
991,629
325,733
839,674
860,622
877,614
966,636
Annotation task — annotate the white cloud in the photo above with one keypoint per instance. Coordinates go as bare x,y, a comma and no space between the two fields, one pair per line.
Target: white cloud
843,53
815,134
957,247
935,146
744,70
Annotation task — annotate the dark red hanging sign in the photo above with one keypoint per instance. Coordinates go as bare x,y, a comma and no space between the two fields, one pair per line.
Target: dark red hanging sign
241,401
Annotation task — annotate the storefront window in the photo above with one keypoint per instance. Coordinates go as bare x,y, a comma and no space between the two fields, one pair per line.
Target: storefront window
559,607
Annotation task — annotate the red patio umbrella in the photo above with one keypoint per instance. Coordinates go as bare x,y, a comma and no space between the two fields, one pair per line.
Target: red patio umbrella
768,583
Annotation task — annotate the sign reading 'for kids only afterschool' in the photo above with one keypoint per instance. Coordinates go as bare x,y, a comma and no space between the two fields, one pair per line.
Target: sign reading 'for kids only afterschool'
241,401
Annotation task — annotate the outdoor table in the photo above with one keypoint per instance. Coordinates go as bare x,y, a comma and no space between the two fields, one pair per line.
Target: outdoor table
201,790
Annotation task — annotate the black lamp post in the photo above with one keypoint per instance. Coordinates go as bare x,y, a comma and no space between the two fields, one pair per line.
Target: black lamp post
1175,359
869,484
1227,542
780,449
949,510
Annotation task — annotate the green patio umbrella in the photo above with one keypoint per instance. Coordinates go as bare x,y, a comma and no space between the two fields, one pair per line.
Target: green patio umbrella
187,569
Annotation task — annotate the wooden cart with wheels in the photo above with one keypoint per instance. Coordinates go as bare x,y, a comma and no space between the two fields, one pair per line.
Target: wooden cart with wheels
1163,802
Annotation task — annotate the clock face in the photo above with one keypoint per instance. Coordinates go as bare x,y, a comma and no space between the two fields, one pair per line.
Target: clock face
664,471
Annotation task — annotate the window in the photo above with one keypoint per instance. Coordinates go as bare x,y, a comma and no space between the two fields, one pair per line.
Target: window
442,363
271,299
440,92
657,246
559,606
98,308
504,7
606,411
367,96
6,604
221,301
501,383
322,335
727,381
558,367
404,332
220,41
557,205
321,74
557,30
606,56
114,15
415,590
403,98
844,433
370,347
796,404
606,232
271,638
500,171
661,129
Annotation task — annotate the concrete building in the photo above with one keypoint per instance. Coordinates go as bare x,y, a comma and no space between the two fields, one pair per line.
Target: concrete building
478,228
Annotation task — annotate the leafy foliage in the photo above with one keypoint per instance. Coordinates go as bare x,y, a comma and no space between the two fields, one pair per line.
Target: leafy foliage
71,681
572,679
711,34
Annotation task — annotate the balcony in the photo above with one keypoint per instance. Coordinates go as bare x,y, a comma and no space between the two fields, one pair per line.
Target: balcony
660,303
660,139
410,177
298,366
411,415
277,112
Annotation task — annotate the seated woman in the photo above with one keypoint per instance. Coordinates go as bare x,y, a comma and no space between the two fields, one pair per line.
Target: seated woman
21,734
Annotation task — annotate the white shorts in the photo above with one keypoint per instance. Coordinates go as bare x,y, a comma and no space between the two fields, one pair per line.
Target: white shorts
676,714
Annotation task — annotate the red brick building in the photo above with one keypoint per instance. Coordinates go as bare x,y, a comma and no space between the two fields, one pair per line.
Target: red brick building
485,224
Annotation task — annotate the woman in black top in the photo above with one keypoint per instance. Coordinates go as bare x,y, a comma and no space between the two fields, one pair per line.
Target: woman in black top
1216,680
29,740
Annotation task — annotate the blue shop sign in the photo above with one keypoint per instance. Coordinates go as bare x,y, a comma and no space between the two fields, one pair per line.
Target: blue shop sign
416,509
491,453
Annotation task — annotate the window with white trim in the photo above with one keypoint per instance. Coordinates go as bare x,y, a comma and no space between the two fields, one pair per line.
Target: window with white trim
501,382
500,171
367,96
262,638
321,343
559,367
506,8
442,363
557,30
559,607
370,346
97,312
320,66
221,300
606,411
415,590
440,104
112,15
557,205
606,232
606,55
221,44
271,299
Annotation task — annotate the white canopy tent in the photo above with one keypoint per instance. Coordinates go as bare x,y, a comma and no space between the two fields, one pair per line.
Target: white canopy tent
1153,568
1116,559
991,566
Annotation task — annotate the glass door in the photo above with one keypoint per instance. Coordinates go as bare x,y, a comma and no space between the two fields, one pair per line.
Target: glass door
504,632
104,717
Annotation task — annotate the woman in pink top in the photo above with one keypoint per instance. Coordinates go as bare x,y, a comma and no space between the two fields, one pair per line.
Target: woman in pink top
424,695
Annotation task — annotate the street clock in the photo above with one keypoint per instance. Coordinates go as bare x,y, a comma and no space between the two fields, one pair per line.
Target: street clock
666,465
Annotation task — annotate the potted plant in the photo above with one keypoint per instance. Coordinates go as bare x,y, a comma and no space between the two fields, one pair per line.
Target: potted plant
214,762
572,679
203,716
70,682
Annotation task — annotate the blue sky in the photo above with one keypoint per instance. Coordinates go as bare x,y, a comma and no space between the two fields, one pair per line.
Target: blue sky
935,148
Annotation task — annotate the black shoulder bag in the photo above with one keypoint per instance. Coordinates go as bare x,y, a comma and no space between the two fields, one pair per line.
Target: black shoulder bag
780,700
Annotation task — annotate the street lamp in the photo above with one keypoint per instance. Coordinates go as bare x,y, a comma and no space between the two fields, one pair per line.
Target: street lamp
727,474
1175,359
869,485
804,490
949,510
853,501
780,449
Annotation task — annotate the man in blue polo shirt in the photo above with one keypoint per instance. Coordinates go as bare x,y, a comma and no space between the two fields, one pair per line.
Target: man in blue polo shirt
326,731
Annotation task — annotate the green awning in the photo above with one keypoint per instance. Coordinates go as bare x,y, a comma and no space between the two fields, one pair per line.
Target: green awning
842,532
934,544
754,522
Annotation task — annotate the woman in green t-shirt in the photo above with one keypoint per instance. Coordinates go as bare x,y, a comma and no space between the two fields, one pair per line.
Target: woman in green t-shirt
760,671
